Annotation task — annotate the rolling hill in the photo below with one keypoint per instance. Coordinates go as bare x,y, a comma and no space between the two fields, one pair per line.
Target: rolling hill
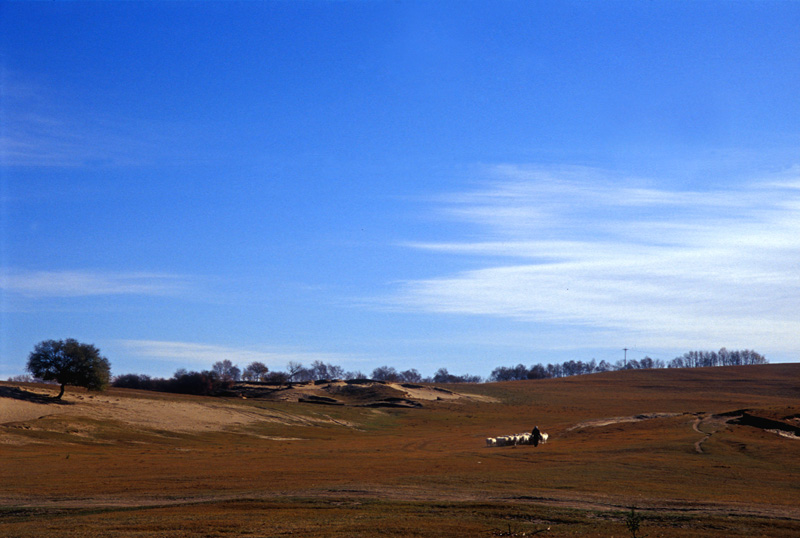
700,452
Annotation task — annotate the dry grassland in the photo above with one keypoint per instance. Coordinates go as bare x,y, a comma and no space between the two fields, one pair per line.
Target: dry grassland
130,463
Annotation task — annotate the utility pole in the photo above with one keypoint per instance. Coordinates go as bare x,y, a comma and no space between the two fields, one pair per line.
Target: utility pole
625,349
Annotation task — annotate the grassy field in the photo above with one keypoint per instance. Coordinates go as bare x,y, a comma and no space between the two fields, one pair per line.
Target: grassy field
667,442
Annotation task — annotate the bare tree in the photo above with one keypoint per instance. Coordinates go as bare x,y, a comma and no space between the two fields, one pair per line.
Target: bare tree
255,371
385,373
226,370
293,369
336,372
410,376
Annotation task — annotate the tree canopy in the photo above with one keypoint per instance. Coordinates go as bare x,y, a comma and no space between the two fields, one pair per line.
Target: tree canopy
255,371
69,362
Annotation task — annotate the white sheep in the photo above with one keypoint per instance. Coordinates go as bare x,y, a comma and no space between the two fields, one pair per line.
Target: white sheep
514,439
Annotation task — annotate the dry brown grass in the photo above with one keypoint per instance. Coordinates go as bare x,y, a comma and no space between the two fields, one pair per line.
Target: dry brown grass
112,465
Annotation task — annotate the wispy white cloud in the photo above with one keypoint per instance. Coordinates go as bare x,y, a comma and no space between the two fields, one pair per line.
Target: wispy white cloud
46,128
204,355
39,133
43,284
619,258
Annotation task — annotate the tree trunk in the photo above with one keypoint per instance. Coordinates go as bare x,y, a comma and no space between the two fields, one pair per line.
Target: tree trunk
60,394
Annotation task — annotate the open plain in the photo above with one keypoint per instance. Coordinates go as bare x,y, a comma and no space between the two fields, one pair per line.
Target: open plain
696,452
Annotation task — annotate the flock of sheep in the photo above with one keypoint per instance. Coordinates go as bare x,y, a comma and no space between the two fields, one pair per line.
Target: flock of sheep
514,440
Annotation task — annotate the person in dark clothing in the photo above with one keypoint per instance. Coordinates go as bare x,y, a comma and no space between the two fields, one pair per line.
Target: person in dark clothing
536,436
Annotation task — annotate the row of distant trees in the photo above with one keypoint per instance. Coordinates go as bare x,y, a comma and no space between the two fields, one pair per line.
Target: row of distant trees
690,359
73,363
319,370
223,375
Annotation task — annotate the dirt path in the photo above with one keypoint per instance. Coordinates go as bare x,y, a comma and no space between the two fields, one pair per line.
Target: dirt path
711,424
698,446
596,423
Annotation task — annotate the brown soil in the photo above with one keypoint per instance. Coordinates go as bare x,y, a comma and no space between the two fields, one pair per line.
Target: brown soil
674,447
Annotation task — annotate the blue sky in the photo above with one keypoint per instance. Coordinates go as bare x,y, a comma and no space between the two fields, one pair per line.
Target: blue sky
415,184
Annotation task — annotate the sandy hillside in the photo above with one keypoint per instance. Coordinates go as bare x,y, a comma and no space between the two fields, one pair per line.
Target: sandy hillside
359,392
20,404
154,411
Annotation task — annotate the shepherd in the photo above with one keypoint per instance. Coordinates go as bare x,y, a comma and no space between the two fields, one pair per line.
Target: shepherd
536,436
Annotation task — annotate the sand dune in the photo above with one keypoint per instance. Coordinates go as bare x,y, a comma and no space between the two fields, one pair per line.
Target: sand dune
22,404
20,411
